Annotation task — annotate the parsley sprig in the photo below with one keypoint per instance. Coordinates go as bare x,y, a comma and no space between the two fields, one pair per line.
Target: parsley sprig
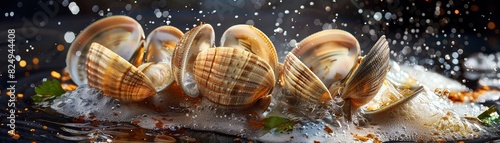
489,116
47,91
280,123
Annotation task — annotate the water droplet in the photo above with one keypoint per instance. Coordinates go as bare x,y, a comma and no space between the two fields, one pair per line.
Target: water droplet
69,37
447,57
128,7
74,8
278,30
95,8
292,43
377,16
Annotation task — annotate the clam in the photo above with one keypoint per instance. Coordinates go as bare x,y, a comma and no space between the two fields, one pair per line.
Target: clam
115,76
160,45
328,63
237,74
251,39
233,77
398,87
319,61
194,41
117,49
364,81
121,34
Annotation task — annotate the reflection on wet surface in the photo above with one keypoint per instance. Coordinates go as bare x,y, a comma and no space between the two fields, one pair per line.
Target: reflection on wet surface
453,38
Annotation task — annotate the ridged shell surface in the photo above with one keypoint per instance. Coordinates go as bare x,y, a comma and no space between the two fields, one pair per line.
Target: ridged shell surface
329,54
253,40
368,78
193,42
121,34
116,77
302,82
233,77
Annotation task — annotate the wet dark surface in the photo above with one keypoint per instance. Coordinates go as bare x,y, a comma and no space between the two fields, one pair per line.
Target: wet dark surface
40,27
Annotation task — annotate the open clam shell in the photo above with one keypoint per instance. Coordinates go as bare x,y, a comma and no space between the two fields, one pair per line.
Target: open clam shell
121,34
233,77
365,81
329,54
320,60
390,97
253,40
302,82
116,77
160,44
398,88
193,42
158,54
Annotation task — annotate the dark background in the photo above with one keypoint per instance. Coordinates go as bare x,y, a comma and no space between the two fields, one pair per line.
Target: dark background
421,32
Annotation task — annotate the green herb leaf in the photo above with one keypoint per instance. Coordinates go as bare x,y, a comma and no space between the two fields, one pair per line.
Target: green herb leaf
489,116
281,124
48,90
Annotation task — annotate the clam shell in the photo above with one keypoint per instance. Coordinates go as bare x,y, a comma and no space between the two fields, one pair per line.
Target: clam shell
121,34
363,84
302,82
329,54
233,77
253,40
390,97
160,44
160,74
193,42
116,77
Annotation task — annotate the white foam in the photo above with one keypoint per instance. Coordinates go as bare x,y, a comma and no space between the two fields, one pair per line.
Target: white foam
426,117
